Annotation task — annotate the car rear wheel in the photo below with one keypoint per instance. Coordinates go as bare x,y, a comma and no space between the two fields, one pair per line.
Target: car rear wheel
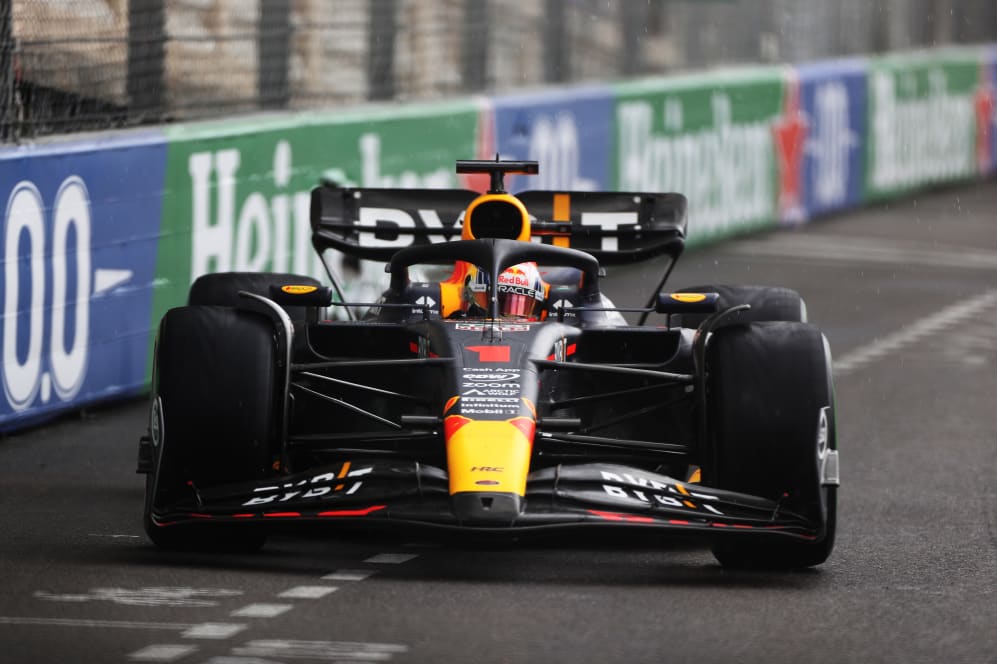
213,416
768,303
770,423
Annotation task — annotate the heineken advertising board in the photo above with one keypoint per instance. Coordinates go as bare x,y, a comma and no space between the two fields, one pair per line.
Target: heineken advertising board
711,137
923,122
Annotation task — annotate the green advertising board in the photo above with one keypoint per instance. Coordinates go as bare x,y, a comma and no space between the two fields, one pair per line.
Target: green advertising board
711,137
922,120
236,194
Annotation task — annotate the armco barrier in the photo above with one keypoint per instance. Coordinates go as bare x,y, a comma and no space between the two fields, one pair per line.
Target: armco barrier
80,232
100,238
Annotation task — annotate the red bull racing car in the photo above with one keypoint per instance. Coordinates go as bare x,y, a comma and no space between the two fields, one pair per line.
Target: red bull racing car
493,389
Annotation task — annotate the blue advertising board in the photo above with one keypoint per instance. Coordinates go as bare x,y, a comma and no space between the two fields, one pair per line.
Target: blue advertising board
77,261
833,102
986,108
569,132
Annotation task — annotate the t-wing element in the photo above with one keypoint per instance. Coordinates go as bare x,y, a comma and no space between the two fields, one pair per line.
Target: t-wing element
495,255
497,170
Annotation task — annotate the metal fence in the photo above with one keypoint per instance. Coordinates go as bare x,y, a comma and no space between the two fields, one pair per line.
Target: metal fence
75,65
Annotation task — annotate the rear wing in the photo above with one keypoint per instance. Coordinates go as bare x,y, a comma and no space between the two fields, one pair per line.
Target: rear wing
614,227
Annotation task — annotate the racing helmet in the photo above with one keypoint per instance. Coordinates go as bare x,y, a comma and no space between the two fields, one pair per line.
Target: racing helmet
520,292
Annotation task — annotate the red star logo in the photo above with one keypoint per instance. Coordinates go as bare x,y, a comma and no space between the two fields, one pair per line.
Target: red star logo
790,133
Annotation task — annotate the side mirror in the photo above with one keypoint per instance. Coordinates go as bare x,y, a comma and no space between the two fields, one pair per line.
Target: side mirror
687,303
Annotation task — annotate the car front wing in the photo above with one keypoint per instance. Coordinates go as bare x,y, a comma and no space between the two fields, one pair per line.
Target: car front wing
378,492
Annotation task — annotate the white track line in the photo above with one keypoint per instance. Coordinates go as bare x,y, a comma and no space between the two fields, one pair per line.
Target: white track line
187,630
102,624
349,575
213,631
836,249
307,592
329,651
391,558
947,317
161,653
262,610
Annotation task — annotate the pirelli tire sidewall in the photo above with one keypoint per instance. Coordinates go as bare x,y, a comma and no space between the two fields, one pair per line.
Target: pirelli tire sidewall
214,414
768,303
767,384
222,288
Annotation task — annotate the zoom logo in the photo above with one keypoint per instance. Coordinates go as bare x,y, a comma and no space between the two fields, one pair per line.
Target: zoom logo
47,284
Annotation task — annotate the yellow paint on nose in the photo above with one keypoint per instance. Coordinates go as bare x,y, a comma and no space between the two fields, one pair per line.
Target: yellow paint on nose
489,455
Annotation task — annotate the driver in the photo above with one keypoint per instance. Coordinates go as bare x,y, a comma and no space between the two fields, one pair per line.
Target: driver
521,293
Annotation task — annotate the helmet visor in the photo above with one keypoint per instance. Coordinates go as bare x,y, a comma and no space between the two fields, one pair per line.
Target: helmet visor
516,304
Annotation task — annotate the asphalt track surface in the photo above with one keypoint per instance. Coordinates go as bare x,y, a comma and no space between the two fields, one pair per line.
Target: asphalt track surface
907,295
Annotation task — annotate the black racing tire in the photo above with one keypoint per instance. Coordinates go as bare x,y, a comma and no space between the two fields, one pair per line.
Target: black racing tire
768,303
769,392
214,416
222,288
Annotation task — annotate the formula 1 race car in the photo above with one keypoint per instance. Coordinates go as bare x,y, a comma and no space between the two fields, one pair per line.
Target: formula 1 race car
505,396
